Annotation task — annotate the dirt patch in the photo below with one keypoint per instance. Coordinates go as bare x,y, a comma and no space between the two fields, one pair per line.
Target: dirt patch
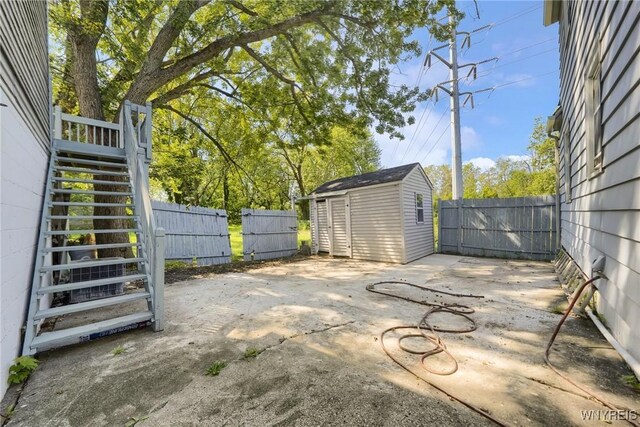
180,274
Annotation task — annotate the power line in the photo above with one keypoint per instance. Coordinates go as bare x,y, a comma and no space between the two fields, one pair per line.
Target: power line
433,130
516,15
524,80
416,130
528,47
416,85
499,65
436,143
494,88
489,27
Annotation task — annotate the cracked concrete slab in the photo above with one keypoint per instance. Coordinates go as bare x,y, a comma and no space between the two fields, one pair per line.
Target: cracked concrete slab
322,362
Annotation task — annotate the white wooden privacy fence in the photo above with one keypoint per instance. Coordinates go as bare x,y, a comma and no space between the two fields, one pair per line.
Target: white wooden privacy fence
269,234
521,227
194,233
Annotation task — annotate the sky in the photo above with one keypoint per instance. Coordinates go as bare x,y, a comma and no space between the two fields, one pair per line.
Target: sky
525,79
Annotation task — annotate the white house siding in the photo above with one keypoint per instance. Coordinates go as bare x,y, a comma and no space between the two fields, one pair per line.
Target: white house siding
602,215
24,133
376,232
418,237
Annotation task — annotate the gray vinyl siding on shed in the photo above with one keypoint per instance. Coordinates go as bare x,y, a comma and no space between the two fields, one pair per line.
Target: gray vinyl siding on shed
601,216
376,232
24,63
418,237
323,232
339,226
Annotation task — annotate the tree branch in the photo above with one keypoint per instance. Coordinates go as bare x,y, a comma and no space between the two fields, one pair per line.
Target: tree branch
152,79
292,84
169,33
183,88
241,7
252,53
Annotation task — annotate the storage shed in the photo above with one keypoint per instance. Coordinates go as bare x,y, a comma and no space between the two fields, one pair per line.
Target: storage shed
381,216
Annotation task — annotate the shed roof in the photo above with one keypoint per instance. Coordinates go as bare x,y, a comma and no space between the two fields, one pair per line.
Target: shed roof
382,176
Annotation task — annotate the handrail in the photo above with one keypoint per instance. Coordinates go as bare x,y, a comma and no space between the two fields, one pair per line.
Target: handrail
85,130
137,145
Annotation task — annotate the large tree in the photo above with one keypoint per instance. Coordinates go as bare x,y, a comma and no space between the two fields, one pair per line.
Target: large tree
329,60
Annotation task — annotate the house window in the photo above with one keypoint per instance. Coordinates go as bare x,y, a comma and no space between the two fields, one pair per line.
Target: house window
594,112
419,208
567,166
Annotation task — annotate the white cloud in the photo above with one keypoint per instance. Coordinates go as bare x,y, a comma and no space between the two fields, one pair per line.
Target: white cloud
426,141
470,138
483,163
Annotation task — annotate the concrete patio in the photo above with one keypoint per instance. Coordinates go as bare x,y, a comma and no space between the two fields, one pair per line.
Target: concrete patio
322,362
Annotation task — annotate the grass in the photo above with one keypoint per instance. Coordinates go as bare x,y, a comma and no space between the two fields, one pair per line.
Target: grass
252,352
215,368
631,381
118,350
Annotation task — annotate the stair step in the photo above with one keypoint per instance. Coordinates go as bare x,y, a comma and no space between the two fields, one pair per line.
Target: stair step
91,162
103,205
95,193
96,263
90,284
118,230
89,171
91,181
92,150
90,305
48,340
93,217
91,247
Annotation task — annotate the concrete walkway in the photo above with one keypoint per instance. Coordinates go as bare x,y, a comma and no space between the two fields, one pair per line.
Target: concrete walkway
321,362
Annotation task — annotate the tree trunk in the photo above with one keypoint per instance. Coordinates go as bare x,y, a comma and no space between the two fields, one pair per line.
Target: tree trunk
304,206
225,191
85,79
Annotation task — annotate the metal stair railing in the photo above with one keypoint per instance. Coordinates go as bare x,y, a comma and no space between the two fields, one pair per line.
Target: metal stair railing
137,144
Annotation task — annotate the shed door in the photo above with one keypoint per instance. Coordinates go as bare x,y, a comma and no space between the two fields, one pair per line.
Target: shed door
323,226
339,227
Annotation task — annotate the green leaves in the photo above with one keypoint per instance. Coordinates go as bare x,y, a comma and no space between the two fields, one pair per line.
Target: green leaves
215,368
22,367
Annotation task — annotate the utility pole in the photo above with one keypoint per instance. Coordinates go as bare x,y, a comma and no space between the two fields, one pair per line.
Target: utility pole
456,154
454,93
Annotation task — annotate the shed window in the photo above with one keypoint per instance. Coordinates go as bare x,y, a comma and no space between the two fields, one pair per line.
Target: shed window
594,111
419,208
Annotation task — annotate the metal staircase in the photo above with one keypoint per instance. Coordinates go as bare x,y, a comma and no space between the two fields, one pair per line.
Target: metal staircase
92,158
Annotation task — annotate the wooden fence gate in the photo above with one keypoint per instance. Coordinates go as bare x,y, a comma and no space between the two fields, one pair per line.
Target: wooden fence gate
520,227
269,234
194,233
